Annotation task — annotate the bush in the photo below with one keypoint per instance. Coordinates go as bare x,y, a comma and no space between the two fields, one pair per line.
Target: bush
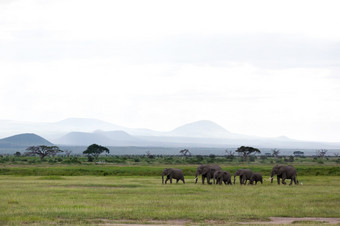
320,161
252,158
291,159
90,158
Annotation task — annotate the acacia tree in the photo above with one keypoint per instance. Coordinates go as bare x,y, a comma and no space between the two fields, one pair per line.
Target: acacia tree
246,151
275,152
229,154
321,153
42,151
185,152
94,150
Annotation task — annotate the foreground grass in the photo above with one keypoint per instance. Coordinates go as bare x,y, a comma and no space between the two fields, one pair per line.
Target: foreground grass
98,199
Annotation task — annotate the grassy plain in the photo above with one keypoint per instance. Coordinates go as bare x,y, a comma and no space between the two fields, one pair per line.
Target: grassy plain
90,199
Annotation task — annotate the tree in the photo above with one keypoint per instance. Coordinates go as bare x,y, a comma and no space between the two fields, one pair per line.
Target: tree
67,153
185,152
275,152
149,155
229,154
94,150
17,154
42,151
321,153
246,151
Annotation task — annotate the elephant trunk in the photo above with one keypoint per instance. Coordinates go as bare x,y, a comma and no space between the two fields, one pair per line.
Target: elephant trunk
196,176
234,178
272,177
162,178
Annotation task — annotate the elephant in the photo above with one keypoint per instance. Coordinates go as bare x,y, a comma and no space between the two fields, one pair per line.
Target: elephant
207,171
257,177
244,174
171,173
222,176
284,172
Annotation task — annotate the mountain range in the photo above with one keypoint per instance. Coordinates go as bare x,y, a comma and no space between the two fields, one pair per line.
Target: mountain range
205,133
23,141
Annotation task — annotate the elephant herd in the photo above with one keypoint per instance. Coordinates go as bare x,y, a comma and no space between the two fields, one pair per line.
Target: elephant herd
215,173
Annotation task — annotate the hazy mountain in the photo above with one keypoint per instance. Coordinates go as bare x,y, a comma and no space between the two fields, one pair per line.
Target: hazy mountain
205,129
117,135
54,130
23,140
83,132
108,138
83,138
86,125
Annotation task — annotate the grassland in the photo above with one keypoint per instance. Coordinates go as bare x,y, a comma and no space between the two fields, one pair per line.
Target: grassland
134,194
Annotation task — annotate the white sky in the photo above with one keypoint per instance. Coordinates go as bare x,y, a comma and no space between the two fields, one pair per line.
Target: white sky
266,68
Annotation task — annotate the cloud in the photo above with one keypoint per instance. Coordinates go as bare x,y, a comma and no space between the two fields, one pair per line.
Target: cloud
259,68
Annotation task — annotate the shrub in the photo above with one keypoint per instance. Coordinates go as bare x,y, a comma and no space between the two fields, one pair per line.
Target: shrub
252,158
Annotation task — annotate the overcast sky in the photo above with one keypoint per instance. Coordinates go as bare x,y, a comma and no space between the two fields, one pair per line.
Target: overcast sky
265,68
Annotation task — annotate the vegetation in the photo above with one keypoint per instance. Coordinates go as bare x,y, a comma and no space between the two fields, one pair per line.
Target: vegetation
94,150
42,151
141,199
68,189
247,151
149,159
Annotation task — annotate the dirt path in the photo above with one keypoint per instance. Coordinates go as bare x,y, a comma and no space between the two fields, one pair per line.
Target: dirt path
291,220
273,220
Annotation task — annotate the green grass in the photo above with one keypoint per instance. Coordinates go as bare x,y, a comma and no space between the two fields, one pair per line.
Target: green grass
147,170
104,199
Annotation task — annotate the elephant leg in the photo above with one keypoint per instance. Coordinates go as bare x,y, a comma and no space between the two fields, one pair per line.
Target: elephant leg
170,180
208,179
203,179
167,178
291,182
183,180
278,180
284,180
177,181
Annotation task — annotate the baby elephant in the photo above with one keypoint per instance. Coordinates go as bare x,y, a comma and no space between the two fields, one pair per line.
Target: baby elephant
224,176
172,174
257,177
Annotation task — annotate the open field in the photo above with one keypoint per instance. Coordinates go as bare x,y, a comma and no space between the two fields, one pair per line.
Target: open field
55,199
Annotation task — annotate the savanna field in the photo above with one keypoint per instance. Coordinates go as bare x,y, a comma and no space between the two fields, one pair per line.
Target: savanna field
33,192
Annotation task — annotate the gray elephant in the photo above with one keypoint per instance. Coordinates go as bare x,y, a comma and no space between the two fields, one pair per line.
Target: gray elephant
284,172
207,171
222,176
244,174
171,173
256,177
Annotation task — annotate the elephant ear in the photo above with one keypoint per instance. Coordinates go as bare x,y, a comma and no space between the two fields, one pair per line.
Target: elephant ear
169,172
205,170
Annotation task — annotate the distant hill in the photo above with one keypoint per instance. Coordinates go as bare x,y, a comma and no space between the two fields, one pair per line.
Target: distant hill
108,138
86,125
23,140
205,129
83,132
